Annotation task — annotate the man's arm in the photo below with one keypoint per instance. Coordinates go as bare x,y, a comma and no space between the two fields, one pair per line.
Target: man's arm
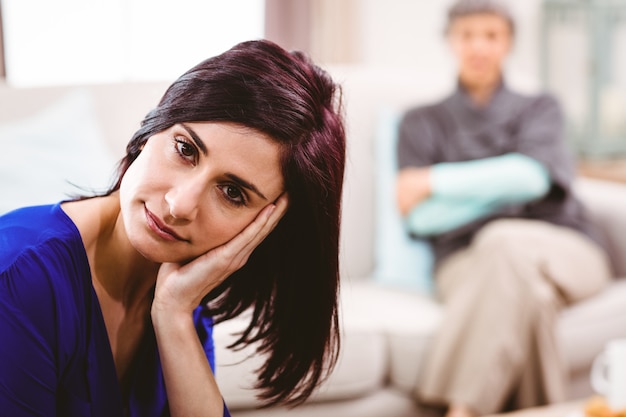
438,215
453,194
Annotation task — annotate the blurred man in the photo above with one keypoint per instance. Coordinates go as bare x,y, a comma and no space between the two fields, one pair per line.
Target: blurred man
486,177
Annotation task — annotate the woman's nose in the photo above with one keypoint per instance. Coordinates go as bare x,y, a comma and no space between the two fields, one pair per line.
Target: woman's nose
184,199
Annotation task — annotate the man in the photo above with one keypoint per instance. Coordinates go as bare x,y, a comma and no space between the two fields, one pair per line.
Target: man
486,176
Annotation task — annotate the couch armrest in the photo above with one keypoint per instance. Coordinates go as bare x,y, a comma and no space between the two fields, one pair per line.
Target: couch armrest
606,204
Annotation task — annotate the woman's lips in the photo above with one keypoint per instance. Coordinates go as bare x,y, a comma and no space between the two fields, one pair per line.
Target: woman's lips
158,227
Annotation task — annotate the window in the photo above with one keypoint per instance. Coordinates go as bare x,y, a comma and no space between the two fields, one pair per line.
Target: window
97,41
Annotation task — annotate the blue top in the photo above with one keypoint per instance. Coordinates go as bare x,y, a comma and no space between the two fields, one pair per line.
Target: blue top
55,356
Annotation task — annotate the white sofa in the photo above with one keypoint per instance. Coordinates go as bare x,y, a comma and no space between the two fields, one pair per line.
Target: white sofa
387,325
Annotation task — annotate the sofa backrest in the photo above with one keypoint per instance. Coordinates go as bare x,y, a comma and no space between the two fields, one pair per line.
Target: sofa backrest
119,108
368,93
72,137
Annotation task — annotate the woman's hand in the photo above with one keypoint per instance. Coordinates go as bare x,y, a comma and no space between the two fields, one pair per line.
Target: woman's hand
180,288
191,387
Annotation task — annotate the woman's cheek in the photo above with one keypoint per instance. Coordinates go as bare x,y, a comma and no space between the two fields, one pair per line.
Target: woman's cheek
223,229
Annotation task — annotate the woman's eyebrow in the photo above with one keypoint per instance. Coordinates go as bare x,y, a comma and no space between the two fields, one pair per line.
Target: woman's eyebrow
195,138
245,184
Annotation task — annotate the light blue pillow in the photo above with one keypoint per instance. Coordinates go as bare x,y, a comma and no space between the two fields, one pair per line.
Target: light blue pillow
53,154
401,261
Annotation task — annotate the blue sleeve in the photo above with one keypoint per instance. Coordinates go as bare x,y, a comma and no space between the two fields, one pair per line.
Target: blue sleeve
203,322
204,327
226,412
28,373
466,191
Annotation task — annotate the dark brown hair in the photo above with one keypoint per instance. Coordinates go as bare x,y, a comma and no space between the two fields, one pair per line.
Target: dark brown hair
291,280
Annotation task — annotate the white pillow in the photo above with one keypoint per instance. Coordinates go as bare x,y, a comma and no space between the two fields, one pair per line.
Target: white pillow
400,260
54,154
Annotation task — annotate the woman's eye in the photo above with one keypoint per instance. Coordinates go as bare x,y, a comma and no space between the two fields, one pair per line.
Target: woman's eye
185,149
234,194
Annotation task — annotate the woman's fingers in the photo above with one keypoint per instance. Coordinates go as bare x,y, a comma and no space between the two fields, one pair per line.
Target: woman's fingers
231,256
242,245
190,282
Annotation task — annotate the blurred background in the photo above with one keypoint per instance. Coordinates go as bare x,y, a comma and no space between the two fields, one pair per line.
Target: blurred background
573,48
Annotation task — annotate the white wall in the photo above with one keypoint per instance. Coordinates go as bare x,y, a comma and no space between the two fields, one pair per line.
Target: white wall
77,41
95,41
409,33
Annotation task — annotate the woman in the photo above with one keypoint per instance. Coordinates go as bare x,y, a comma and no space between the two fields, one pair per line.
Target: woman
228,199
485,176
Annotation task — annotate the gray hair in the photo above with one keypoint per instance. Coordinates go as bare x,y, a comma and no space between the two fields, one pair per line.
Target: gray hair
463,8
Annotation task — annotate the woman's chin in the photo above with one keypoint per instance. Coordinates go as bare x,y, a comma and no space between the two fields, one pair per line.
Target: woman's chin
159,255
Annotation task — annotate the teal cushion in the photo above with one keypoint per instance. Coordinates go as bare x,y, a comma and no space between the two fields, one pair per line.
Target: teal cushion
401,261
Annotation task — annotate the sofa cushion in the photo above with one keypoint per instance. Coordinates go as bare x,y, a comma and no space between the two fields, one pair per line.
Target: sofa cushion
360,370
586,327
384,402
400,261
408,319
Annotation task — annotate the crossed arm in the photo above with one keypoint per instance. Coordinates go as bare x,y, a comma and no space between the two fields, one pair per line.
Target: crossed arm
442,197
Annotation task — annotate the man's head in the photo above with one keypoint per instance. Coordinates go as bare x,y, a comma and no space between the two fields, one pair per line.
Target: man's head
480,33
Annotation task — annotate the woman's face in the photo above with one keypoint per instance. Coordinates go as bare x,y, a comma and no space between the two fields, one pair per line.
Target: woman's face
480,42
195,186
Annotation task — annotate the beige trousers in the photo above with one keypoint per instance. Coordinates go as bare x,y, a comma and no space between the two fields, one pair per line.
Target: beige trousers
497,344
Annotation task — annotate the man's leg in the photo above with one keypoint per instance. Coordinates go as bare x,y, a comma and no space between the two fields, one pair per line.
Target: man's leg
502,296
